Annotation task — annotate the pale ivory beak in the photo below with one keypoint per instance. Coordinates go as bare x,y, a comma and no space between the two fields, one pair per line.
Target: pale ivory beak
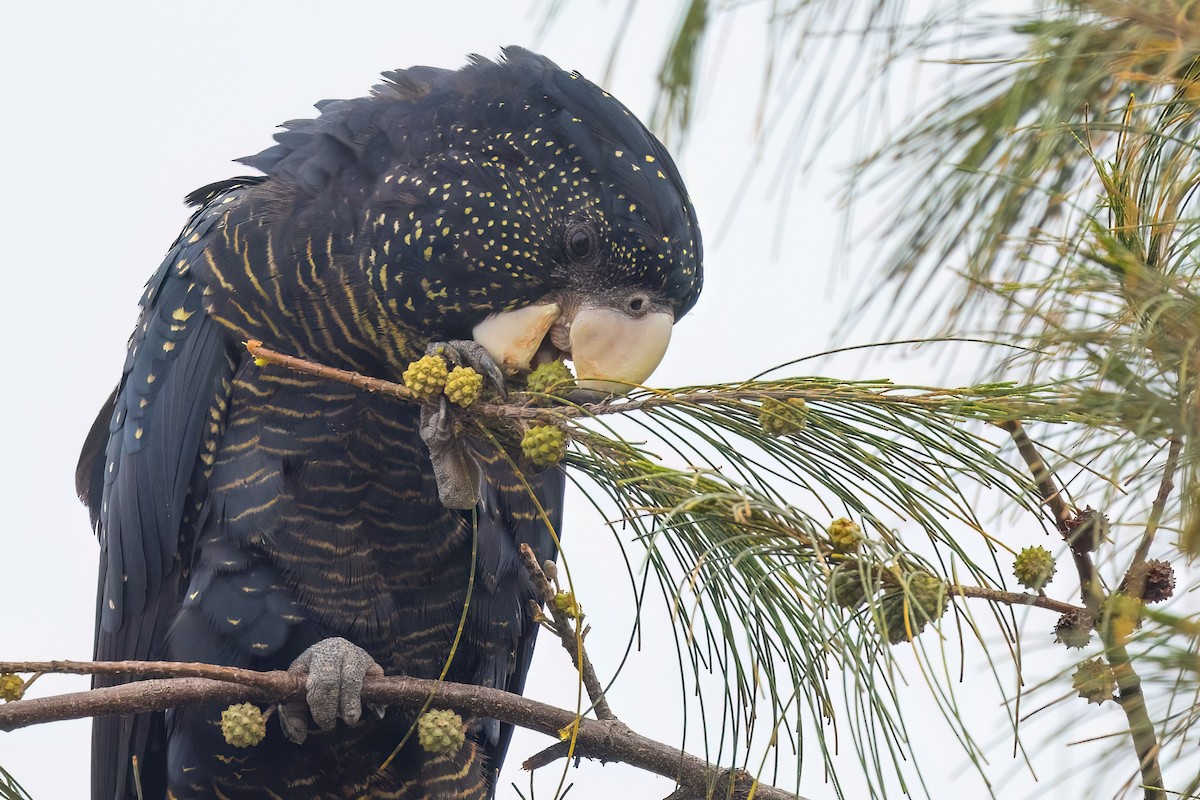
513,337
613,352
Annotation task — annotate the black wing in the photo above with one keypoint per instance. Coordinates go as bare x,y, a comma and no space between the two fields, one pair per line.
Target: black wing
509,517
143,474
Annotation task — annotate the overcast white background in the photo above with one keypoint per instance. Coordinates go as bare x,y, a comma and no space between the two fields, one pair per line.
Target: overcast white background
113,111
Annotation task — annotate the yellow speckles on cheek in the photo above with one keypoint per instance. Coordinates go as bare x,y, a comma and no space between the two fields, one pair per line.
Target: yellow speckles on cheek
428,253
427,286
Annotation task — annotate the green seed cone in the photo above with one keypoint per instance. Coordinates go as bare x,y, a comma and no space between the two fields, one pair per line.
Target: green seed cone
927,597
243,725
12,688
1095,681
550,378
783,418
845,535
544,445
463,386
440,731
846,585
426,377
1034,567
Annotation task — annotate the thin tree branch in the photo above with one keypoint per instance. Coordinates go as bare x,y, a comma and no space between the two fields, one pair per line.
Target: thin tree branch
1129,684
607,740
1165,487
1013,598
305,367
927,399
157,669
1043,477
566,628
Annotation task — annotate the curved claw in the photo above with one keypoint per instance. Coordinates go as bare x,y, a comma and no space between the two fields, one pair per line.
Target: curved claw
467,353
334,670
457,472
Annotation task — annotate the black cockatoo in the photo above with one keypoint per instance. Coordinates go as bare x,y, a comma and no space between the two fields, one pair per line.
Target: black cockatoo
507,212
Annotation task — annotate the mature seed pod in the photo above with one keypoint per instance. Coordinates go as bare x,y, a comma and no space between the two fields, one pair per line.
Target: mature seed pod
1086,529
544,445
1095,681
845,535
1154,579
847,587
1074,629
243,725
440,731
783,418
463,386
12,688
1034,567
426,377
550,378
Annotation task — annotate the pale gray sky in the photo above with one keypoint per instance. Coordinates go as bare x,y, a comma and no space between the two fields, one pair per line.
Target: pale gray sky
113,111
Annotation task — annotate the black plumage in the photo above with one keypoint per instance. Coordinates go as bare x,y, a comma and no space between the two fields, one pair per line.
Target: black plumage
246,513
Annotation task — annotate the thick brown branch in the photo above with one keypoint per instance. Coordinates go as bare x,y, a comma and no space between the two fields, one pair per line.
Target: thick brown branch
1141,727
607,740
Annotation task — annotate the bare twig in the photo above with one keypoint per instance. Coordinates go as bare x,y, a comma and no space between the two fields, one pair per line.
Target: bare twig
306,367
158,669
566,629
1012,598
1165,487
607,740
1043,476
